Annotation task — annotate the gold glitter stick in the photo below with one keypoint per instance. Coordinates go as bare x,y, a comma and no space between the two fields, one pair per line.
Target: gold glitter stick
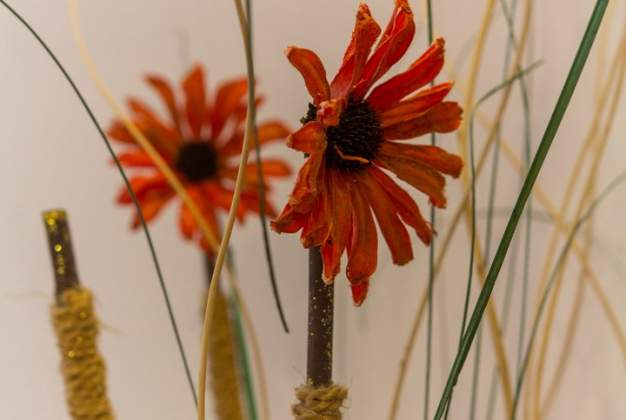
61,251
76,327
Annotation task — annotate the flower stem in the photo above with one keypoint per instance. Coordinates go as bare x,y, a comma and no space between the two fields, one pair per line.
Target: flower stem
319,370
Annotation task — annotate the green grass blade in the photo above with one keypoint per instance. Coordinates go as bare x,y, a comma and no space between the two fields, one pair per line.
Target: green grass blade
542,151
431,261
247,374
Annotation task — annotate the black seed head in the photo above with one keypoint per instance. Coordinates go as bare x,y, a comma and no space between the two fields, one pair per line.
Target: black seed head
358,134
197,160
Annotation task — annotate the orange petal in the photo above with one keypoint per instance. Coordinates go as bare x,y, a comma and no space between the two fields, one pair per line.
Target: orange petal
442,118
117,131
166,139
366,30
217,196
267,132
359,291
151,205
330,111
289,221
186,222
317,227
143,185
308,183
391,226
270,167
415,106
406,207
164,90
228,99
421,72
312,70
392,45
195,100
363,245
432,156
420,176
310,138
333,248
136,158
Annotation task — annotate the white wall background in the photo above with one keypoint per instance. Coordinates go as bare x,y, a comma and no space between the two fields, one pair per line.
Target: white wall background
52,156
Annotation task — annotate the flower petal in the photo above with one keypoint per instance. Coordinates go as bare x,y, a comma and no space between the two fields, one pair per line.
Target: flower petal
312,70
406,207
289,221
419,175
413,107
329,112
442,118
228,99
165,138
308,183
359,291
366,30
164,90
267,132
117,131
143,185
135,159
363,244
391,47
310,138
421,72
217,196
195,100
391,226
334,246
432,156
186,222
151,205
318,225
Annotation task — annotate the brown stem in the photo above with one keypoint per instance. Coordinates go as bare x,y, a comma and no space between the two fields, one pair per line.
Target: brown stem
321,311
61,251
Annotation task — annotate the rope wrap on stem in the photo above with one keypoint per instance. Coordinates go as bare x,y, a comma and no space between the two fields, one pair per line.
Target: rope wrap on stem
82,366
223,363
319,403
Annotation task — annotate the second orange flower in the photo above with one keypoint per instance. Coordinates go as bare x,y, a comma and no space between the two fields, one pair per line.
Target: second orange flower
354,136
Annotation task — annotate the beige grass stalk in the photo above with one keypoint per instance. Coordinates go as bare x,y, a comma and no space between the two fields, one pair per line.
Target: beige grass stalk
544,200
230,222
172,179
444,244
555,293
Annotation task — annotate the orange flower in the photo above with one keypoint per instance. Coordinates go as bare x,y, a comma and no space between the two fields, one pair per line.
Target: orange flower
201,141
349,135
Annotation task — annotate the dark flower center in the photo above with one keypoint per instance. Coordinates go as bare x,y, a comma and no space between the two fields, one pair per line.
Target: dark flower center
354,142
197,160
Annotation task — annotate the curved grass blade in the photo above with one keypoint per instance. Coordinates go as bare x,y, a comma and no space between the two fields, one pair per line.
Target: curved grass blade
144,226
540,156
262,193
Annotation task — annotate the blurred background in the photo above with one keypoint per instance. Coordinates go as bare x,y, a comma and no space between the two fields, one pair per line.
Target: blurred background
52,157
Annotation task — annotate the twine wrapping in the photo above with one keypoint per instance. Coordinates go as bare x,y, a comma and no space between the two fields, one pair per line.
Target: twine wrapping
319,403
223,363
83,368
